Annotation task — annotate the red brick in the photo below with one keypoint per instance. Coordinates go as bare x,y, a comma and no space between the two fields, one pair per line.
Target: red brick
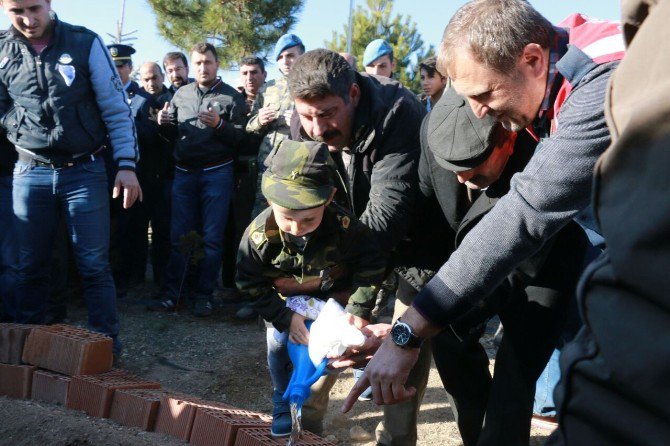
50,387
16,380
177,412
68,350
136,407
93,393
12,338
218,427
262,437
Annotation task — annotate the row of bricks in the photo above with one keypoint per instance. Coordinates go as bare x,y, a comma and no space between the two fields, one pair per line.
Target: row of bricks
135,402
60,348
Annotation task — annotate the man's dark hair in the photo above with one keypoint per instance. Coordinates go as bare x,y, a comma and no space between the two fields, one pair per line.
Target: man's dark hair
253,60
203,47
318,73
174,55
430,65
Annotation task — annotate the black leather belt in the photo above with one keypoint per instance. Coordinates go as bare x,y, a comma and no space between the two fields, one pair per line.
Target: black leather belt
61,163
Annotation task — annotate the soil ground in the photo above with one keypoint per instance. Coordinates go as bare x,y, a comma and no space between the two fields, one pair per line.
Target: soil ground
217,358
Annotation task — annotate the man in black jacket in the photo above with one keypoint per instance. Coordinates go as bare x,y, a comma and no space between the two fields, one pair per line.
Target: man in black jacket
371,126
127,258
155,171
208,117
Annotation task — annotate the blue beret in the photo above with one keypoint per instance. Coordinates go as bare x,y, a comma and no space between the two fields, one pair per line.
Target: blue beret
285,42
376,49
121,53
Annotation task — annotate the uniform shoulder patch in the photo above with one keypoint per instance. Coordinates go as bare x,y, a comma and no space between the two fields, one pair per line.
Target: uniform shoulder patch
345,220
258,238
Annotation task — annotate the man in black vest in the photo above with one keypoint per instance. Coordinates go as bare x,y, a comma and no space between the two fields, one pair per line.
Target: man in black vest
60,97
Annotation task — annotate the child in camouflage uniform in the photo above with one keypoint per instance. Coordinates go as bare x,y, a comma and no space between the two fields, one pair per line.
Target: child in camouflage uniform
296,254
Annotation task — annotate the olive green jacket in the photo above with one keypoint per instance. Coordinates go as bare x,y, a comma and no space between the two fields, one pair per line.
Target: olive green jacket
273,94
340,240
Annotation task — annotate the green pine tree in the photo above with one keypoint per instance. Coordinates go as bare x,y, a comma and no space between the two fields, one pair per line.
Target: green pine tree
374,21
235,27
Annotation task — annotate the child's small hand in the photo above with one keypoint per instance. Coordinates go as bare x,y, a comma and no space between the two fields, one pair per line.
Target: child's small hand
298,333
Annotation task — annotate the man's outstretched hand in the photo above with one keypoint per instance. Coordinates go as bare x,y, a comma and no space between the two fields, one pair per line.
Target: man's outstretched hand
387,374
389,368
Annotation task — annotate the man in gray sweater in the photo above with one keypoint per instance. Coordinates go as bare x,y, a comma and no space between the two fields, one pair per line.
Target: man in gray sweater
513,65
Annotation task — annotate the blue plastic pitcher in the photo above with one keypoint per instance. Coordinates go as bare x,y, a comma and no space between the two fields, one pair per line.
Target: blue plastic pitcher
304,372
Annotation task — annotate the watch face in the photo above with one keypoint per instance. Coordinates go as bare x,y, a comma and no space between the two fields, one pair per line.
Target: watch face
400,334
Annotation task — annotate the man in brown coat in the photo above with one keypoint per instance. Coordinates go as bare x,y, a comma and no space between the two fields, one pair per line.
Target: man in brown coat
615,388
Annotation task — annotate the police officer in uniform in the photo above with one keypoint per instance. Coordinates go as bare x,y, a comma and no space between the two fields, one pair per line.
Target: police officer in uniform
129,234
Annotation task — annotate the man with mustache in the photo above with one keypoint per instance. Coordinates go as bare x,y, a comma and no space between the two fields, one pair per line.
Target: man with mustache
252,78
371,126
176,68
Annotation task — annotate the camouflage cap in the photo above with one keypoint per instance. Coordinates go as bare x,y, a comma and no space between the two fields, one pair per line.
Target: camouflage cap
300,175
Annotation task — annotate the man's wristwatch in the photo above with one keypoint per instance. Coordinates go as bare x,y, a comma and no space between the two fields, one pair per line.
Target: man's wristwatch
403,336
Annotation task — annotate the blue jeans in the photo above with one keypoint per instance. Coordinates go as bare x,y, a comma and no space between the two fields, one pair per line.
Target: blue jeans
8,251
41,194
546,383
279,363
201,196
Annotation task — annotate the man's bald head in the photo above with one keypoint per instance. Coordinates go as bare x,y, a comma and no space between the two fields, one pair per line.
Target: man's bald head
151,78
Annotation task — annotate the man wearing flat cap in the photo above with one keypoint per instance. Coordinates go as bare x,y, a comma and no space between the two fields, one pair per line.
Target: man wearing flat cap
378,58
458,150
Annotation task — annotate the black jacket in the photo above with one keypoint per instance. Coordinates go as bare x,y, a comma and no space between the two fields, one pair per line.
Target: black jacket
382,171
199,145
7,157
556,266
156,152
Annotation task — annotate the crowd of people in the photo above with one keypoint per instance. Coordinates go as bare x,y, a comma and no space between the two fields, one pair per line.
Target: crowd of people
525,184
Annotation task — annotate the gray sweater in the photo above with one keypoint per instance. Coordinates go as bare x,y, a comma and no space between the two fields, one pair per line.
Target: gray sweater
553,188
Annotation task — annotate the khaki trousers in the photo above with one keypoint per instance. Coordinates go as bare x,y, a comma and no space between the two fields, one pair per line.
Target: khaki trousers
399,425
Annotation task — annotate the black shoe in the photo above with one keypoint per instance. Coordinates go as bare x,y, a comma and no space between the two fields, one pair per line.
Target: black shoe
164,306
246,313
203,308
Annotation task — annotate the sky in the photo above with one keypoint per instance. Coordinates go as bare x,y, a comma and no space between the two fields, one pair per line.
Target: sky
316,21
